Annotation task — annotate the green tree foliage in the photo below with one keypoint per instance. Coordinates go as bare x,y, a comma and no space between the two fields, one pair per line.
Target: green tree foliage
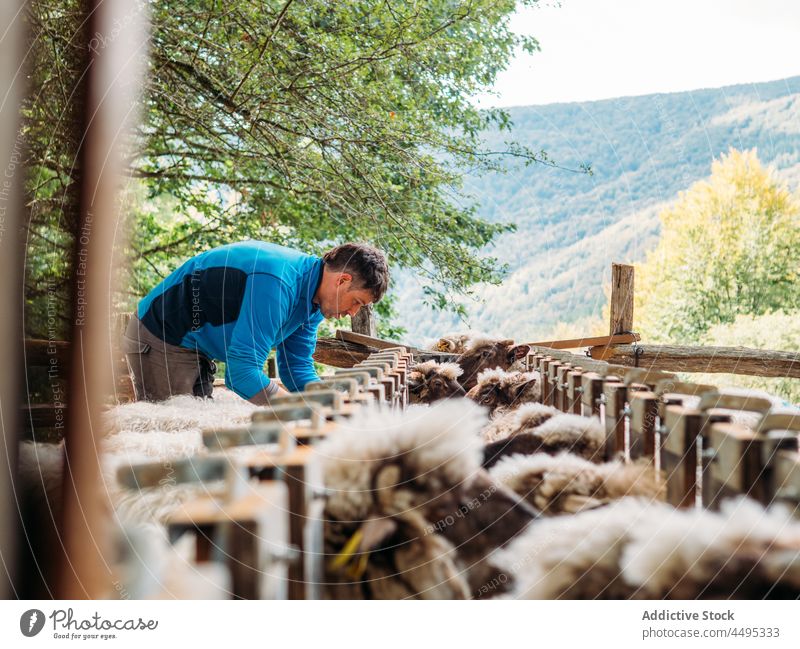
729,246
777,331
305,123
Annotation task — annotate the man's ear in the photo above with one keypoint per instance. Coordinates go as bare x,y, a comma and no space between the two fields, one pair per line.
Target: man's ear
344,277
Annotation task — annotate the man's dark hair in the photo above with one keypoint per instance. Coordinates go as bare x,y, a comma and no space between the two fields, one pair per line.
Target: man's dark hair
365,263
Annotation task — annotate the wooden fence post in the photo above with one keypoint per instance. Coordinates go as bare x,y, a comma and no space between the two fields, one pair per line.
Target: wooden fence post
621,298
108,105
12,51
363,322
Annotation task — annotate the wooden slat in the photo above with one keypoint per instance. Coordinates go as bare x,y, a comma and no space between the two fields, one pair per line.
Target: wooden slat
367,341
593,341
728,360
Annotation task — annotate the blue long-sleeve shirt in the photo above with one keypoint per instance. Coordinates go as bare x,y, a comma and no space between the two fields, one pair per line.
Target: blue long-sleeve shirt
237,302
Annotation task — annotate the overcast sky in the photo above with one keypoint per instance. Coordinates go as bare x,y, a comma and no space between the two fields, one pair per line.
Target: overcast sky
596,49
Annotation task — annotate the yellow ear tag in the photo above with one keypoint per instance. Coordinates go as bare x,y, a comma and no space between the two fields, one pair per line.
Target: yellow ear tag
344,557
358,569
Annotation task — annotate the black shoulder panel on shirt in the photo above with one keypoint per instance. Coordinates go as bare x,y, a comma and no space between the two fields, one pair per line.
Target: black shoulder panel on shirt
208,296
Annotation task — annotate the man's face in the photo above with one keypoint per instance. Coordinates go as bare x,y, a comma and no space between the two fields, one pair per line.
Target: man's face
338,297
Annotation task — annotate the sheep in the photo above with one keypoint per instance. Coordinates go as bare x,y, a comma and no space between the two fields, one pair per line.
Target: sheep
566,483
452,343
640,549
410,513
487,353
536,430
502,391
431,381
524,418
181,413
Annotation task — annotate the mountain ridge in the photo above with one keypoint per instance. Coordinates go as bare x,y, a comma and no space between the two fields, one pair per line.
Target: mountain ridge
643,151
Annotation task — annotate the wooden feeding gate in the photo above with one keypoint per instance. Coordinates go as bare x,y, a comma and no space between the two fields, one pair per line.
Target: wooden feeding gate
738,444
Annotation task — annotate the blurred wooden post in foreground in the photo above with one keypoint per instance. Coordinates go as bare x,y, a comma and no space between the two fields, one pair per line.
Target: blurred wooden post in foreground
12,51
116,46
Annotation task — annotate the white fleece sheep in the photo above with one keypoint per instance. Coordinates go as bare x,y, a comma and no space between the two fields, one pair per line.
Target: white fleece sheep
408,489
180,414
440,443
639,549
567,483
525,418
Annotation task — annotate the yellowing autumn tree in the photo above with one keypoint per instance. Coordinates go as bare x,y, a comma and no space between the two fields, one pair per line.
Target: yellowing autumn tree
729,246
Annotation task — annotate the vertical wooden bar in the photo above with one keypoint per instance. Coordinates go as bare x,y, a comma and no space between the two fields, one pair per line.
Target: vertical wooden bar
592,384
364,322
781,434
561,387
552,383
544,365
621,299
12,54
644,414
735,466
615,395
112,79
679,447
574,391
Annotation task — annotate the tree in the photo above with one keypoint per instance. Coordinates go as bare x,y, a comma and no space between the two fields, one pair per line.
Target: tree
730,245
305,123
779,330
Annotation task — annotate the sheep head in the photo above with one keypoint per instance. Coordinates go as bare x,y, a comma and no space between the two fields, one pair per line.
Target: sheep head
487,353
410,512
431,381
497,389
453,343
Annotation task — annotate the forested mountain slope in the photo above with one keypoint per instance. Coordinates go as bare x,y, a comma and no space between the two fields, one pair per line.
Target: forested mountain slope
570,225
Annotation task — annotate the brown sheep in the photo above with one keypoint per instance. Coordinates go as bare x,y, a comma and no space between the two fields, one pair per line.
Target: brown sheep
535,429
410,513
489,353
567,483
635,548
431,381
502,391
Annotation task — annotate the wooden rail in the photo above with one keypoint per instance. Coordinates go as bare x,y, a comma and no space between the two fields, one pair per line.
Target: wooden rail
727,360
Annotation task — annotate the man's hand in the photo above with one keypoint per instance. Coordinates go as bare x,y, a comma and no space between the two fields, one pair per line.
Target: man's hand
261,399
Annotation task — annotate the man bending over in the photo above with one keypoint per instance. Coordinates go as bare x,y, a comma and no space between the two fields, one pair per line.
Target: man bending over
237,302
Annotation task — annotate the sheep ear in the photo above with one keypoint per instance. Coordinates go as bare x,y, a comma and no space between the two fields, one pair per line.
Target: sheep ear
374,531
518,388
519,352
385,483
